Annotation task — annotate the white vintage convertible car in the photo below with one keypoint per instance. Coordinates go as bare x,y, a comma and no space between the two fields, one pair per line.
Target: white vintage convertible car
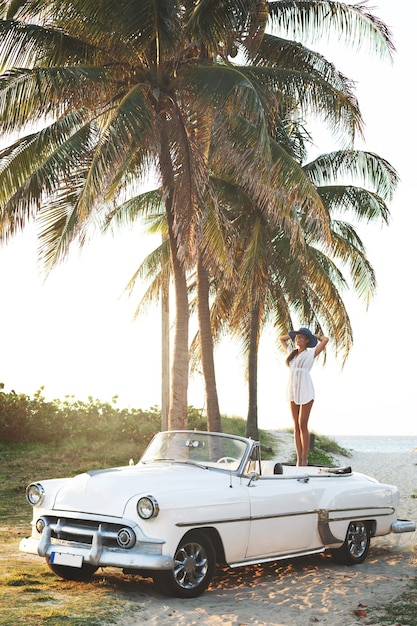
197,498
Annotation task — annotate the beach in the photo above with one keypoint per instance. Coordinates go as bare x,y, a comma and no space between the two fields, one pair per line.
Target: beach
307,590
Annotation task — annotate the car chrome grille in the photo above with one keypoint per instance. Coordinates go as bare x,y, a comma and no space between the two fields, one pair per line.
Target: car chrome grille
68,530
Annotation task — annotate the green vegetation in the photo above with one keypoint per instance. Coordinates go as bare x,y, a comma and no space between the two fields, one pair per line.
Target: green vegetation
25,419
319,457
322,452
31,594
402,610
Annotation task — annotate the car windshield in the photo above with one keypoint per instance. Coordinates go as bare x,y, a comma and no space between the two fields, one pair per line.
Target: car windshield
207,449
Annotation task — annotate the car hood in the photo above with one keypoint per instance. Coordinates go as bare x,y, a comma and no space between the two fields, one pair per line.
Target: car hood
106,492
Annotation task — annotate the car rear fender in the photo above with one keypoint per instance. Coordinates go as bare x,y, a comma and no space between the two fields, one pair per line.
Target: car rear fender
333,532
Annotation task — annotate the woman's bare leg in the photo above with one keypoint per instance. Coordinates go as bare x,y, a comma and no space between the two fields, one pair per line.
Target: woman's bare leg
303,416
295,410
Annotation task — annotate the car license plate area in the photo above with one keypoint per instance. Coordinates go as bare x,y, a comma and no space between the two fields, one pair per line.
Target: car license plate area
72,560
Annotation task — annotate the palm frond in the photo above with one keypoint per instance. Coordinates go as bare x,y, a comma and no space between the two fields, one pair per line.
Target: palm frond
282,53
57,225
29,45
311,20
144,204
314,95
361,203
226,25
129,123
366,168
37,165
29,97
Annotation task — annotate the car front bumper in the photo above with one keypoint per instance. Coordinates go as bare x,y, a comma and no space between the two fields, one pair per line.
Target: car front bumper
145,554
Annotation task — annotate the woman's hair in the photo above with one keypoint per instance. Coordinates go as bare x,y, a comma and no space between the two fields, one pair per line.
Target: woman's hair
291,355
294,352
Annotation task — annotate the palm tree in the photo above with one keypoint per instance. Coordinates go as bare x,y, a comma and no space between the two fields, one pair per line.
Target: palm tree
155,271
99,92
276,279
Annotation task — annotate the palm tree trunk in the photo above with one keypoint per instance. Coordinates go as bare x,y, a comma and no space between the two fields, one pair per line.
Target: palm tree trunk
165,353
178,404
178,401
252,419
207,350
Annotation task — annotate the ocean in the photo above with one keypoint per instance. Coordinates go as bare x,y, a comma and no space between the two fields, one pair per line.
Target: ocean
380,443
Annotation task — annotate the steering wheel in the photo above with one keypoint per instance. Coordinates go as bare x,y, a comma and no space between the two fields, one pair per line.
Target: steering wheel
227,459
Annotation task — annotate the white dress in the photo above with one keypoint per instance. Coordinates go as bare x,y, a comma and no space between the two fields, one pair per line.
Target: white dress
300,387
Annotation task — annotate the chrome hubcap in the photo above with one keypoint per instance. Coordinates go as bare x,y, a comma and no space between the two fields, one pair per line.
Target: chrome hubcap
357,539
190,566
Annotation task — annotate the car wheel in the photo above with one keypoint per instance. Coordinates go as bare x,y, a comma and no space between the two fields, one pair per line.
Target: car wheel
72,573
356,545
194,564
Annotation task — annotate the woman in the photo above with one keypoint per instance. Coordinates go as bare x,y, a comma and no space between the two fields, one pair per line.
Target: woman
300,390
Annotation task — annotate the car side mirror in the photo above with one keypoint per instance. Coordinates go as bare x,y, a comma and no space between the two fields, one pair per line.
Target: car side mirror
253,477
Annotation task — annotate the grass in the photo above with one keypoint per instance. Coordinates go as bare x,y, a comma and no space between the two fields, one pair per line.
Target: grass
32,595
400,611
24,462
323,451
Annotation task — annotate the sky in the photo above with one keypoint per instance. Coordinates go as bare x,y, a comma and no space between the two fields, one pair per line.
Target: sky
74,334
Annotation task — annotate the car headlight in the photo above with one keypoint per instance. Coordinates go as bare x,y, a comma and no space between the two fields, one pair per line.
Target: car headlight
35,493
147,507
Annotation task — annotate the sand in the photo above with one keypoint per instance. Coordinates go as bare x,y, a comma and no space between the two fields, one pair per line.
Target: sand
307,590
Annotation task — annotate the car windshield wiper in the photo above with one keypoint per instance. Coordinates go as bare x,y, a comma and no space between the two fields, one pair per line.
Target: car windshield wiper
158,460
183,461
188,462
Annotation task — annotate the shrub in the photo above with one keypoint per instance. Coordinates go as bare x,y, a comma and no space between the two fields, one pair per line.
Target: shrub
25,419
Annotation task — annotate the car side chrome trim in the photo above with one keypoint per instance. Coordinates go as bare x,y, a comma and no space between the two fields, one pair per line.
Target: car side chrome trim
332,515
253,518
324,516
